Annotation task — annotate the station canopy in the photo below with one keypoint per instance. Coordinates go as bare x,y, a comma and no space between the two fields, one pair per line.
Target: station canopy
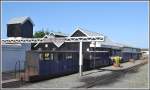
77,36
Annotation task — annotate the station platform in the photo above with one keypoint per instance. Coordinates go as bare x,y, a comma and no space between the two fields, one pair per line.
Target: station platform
88,78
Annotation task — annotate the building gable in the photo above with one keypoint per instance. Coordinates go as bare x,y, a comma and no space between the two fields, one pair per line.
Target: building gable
78,33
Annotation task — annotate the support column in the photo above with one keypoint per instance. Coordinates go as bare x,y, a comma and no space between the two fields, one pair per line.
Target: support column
80,59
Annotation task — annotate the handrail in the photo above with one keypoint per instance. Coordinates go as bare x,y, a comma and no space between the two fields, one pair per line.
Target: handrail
18,68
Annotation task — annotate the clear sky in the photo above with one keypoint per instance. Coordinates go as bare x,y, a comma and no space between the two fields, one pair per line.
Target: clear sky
124,22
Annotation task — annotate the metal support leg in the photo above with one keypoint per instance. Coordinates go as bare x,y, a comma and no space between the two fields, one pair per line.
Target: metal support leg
81,73
80,58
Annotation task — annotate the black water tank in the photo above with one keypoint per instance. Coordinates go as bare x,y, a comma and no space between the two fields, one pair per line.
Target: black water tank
20,27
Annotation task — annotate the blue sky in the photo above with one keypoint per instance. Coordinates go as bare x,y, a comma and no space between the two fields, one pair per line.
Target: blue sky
124,22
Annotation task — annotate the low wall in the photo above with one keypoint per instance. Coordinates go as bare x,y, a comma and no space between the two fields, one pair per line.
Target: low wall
11,53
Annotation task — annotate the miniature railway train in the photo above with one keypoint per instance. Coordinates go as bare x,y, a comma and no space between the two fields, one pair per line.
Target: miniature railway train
48,63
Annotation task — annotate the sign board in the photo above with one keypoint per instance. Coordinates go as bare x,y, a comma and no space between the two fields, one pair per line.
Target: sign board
98,44
95,44
92,44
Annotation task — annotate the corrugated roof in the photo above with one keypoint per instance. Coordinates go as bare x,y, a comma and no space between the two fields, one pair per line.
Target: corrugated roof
57,33
11,45
109,42
19,20
145,49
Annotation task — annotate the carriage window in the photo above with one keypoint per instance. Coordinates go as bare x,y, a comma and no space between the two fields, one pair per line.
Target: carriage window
46,56
52,56
41,58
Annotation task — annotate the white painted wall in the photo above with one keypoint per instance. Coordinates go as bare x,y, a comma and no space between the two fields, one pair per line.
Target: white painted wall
11,53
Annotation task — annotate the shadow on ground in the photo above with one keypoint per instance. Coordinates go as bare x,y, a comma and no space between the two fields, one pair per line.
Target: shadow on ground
107,78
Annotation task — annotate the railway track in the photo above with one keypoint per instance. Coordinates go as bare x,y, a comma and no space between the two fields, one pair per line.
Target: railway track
115,75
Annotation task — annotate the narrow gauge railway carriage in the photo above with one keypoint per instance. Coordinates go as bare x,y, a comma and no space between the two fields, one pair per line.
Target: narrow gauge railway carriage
60,61
46,60
130,53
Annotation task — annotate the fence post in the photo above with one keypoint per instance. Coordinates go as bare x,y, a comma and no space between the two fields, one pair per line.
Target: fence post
16,69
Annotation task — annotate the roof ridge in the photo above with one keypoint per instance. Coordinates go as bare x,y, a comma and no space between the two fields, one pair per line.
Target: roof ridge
19,20
90,31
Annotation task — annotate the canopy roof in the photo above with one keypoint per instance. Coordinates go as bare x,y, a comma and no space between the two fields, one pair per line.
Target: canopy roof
58,33
86,32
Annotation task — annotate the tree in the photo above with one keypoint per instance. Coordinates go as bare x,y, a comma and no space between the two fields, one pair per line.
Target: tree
39,34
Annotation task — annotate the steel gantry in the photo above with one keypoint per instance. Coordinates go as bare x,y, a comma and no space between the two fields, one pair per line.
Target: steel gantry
58,42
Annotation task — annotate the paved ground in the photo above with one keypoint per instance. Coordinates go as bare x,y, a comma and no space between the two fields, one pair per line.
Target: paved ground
8,75
136,78
100,78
